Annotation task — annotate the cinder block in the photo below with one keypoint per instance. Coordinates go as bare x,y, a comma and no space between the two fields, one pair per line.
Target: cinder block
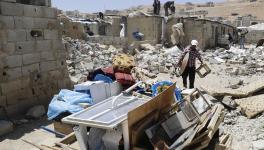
48,66
35,34
25,47
22,106
46,23
13,1
61,63
14,61
3,101
65,83
58,45
3,36
27,93
43,45
26,82
62,55
11,9
33,11
14,73
47,56
24,22
56,74
51,34
29,69
16,35
31,58
7,22
13,97
8,48
11,86
50,13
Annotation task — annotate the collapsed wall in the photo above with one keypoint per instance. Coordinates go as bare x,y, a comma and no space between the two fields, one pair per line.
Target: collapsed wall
32,56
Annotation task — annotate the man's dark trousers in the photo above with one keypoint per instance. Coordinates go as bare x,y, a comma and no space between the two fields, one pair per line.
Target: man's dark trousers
189,71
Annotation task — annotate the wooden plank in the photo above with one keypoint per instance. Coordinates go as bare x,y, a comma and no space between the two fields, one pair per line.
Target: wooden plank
215,128
184,63
138,130
161,103
203,145
35,145
208,117
69,139
215,117
64,146
200,138
223,139
53,148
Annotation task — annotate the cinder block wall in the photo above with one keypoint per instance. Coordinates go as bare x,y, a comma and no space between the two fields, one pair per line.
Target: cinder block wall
150,26
32,56
254,36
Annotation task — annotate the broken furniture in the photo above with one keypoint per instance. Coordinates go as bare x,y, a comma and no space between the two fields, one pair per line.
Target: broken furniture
203,70
109,114
194,103
174,131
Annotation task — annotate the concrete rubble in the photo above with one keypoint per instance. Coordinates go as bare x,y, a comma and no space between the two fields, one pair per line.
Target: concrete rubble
250,60
85,56
36,112
5,127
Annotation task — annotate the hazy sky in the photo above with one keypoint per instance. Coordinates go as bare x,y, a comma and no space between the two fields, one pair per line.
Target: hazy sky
101,5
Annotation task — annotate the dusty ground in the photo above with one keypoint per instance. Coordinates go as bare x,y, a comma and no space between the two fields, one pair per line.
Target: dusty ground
32,132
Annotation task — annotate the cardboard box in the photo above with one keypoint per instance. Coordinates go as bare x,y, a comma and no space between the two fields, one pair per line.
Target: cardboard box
99,90
62,127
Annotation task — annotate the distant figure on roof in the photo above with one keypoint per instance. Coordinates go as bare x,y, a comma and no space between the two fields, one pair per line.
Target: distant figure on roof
101,15
156,6
172,9
168,5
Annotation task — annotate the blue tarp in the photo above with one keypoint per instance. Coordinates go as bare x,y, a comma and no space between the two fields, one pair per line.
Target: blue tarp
104,78
67,101
155,87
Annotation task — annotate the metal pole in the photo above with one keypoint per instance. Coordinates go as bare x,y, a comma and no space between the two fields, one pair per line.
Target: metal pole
81,135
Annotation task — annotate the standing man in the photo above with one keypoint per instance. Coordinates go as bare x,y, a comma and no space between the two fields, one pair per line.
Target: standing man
156,6
168,5
190,68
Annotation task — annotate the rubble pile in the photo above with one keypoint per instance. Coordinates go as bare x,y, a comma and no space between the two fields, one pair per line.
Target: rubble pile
159,60
244,129
85,56
250,60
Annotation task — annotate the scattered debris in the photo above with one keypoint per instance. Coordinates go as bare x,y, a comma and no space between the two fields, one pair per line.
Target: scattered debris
36,112
251,106
5,127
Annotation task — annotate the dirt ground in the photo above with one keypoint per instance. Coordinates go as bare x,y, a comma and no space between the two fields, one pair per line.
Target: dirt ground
30,131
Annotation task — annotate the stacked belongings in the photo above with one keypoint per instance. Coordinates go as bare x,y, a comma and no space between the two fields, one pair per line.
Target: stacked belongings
190,124
123,64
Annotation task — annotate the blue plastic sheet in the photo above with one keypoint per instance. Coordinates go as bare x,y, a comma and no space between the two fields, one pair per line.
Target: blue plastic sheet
155,86
104,78
178,94
67,101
